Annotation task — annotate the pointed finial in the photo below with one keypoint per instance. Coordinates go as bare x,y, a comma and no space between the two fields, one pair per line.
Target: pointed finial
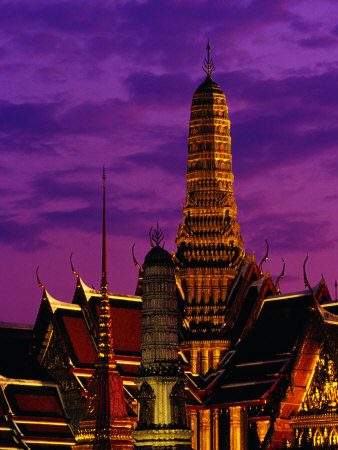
265,257
150,239
71,265
38,279
157,235
208,64
134,259
104,282
281,276
306,281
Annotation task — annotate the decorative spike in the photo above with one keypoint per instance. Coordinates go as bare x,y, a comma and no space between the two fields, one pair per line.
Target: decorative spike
104,282
150,239
37,277
157,235
208,64
71,265
306,281
265,257
134,259
281,276
106,355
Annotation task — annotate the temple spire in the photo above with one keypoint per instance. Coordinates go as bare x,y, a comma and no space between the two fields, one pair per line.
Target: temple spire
208,64
104,282
105,424
106,355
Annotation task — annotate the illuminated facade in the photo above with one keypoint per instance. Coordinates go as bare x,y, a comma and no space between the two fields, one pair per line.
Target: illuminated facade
209,245
223,353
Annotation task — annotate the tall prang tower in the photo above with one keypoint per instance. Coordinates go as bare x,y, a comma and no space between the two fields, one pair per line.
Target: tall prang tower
209,244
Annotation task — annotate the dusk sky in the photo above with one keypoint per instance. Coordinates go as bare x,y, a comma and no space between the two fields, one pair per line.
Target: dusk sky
92,83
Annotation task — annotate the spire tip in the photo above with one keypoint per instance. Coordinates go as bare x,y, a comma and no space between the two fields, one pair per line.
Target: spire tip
104,282
208,64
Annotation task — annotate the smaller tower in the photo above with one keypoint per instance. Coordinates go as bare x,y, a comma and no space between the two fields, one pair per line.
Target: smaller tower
106,424
162,421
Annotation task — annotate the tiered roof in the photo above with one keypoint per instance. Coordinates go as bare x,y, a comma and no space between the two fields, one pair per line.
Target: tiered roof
32,414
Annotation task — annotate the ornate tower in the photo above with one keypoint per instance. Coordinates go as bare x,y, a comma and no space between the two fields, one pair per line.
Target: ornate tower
106,424
162,419
209,245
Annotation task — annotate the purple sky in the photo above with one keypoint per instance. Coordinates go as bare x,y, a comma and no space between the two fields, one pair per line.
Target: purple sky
110,82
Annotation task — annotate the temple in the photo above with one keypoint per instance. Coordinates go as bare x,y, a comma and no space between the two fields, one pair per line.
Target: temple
219,358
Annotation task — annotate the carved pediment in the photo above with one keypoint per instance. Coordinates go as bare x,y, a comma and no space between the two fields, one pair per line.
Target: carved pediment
55,357
322,395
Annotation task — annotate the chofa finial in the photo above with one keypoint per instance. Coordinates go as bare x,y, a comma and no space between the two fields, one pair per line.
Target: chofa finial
134,259
281,276
72,266
150,238
306,281
265,257
38,279
208,64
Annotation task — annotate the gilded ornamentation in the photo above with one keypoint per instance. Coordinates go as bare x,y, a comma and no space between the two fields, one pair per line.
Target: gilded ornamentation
316,425
55,356
208,241
323,394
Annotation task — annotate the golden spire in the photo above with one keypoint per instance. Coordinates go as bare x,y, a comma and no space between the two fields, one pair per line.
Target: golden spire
106,424
208,64
104,281
106,355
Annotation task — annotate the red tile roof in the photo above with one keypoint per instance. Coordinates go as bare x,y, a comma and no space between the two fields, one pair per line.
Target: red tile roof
80,339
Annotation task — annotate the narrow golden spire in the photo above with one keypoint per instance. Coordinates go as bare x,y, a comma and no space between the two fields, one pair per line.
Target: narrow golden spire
208,64
104,281
106,356
105,424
